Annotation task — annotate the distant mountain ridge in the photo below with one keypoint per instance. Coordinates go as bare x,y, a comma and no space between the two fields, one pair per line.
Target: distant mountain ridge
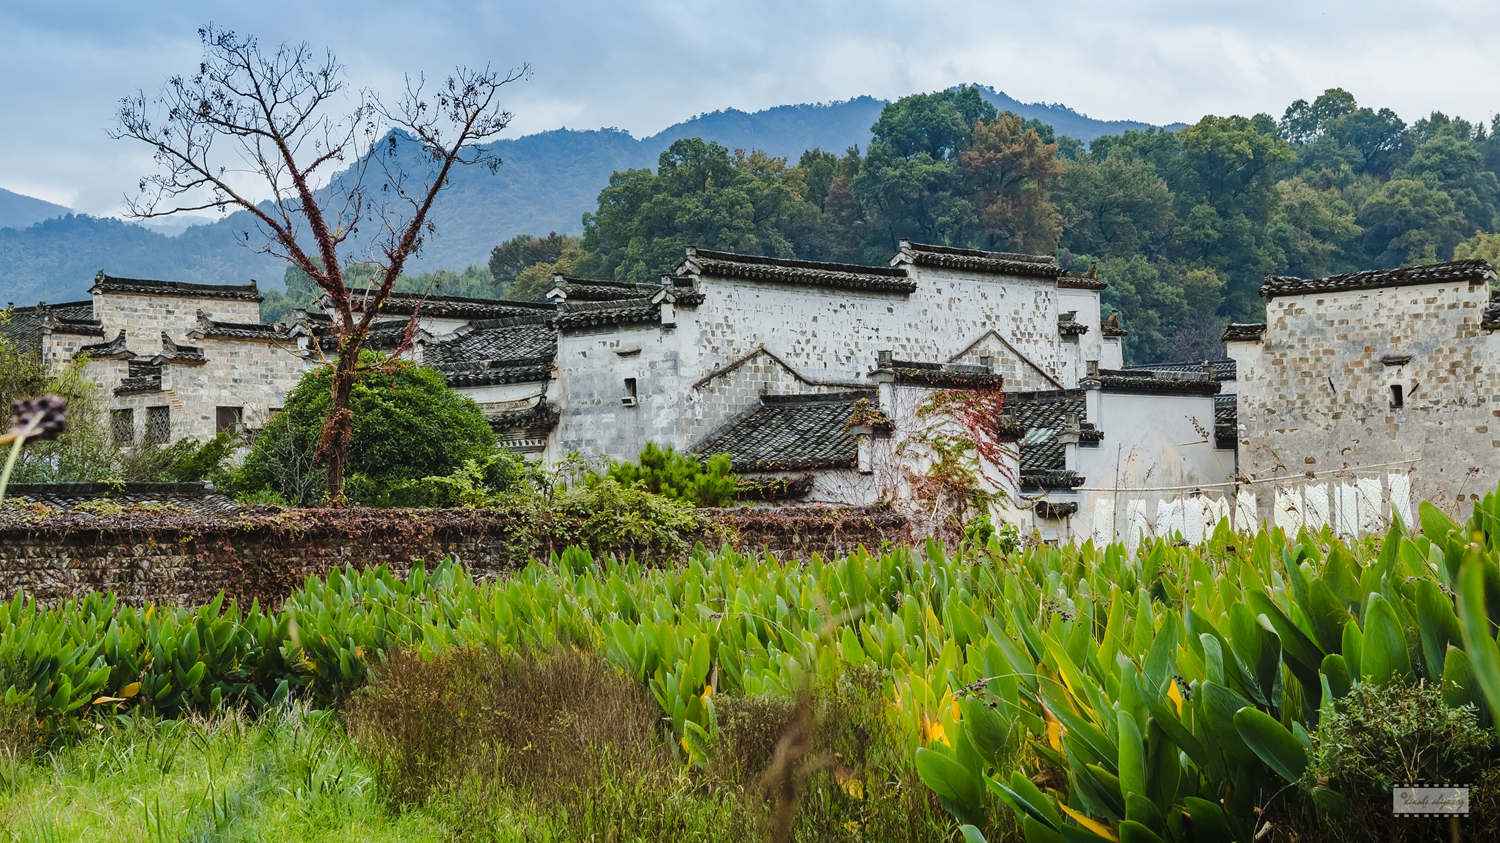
547,182
18,210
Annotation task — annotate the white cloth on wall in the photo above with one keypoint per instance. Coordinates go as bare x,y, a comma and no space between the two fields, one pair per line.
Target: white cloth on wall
1315,507
1220,513
1288,512
1169,520
1104,520
1192,520
1245,520
1135,524
1346,511
1400,488
1371,510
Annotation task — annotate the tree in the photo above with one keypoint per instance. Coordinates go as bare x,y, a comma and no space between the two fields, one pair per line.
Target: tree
515,255
1010,166
406,424
272,118
1114,208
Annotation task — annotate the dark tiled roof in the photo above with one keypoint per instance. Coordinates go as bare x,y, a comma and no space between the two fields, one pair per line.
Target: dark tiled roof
877,279
595,314
542,415
511,338
1042,415
1243,332
114,348
142,376
1226,421
976,260
1068,326
1222,370
1468,271
171,352
1141,380
140,286
1111,327
789,433
241,330
493,373
1491,319
1080,281
456,307
193,497
1052,479
23,327
582,289
943,375
1056,509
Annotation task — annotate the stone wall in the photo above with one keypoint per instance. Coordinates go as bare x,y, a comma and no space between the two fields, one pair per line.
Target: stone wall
265,553
1315,394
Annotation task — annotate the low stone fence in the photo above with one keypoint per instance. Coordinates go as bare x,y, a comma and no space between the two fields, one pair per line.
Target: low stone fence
264,553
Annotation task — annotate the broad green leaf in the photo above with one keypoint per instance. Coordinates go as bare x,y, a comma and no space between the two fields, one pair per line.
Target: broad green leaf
1484,655
1218,705
1038,833
971,834
1385,656
1354,647
1438,626
1210,825
1132,755
987,729
1336,671
1134,832
955,783
1460,686
1272,743
1327,614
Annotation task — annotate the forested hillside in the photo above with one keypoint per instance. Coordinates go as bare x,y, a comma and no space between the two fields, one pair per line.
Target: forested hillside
547,182
1183,225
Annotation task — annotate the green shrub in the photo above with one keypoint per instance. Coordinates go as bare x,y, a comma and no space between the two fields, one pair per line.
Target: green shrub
408,424
624,518
477,483
183,461
680,477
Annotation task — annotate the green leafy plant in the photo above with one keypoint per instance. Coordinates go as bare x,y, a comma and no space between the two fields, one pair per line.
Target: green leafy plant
679,477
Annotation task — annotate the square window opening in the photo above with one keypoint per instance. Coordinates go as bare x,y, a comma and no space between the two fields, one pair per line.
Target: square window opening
1397,399
229,418
629,398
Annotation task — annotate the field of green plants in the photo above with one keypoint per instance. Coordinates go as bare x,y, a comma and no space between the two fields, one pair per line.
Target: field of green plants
1253,688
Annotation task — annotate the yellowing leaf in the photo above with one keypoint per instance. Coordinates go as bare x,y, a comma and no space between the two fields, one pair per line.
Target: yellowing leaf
956,713
103,700
1092,825
1175,696
130,690
850,783
1054,729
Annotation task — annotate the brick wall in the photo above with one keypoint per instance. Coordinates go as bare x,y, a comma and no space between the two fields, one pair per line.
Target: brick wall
265,553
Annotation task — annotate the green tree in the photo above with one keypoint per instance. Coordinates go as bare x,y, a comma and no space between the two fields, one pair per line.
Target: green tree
406,424
679,477
514,256
1114,208
1410,221
1010,166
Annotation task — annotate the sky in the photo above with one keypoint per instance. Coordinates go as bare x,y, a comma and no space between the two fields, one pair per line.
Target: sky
643,65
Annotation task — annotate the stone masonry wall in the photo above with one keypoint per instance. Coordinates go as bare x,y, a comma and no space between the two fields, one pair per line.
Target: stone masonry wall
265,553
1315,395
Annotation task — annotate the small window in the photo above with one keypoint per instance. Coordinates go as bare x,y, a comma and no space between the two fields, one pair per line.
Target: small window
628,399
229,418
158,425
122,427
1397,399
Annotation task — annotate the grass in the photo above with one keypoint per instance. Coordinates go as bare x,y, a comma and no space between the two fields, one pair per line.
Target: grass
292,775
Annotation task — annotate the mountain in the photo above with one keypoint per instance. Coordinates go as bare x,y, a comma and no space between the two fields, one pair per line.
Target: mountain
20,211
547,182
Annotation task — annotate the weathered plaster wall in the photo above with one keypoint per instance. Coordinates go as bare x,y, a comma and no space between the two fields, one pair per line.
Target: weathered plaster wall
144,317
592,367
1314,395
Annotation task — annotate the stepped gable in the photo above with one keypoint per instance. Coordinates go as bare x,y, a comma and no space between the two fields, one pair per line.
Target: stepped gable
211,329
582,289
872,279
978,260
115,348
455,307
1151,381
509,339
146,287
23,325
789,433
1110,328
1243,332
1226,422
1219,370
198,498
597,314
1042,415
1462,272
1069,326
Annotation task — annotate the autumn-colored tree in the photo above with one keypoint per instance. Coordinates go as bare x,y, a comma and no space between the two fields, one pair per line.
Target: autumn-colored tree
1009,164
256,131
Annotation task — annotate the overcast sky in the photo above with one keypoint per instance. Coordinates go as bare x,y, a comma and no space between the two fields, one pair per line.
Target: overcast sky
642,65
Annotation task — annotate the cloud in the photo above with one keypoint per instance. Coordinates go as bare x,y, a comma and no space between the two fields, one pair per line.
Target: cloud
645,64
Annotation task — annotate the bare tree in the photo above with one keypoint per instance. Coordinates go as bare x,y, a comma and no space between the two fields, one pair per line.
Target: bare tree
257,131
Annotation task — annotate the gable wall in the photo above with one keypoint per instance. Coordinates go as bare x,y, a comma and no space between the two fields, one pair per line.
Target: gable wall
1315,396
144,317
591,381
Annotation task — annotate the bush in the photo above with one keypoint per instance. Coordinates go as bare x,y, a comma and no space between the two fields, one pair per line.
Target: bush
624,519
679,477
183,461
408,425
477,483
